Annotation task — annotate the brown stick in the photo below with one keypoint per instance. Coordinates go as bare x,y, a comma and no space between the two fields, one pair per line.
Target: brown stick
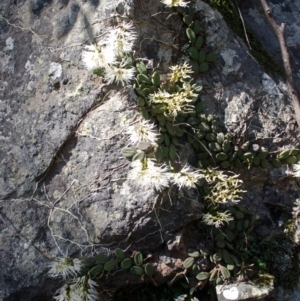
279,32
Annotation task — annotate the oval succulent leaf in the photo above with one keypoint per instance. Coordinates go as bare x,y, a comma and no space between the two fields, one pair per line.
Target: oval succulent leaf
220,243
96,270
196,27
148,269
120,254
203,276
199,42
88,262
126,263
193,53
138,258
128,152
226,257
194,253
110,265
201,56
141,68
191,35
142,78
234,258
204,251
219,281
101,259
225,273
136,270
276,163
188,263
187,19
229,235
155,78
239,214
203,67
213,274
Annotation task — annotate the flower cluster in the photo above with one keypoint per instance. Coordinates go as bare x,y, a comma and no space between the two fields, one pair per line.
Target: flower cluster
187,177
142,130
180,73
111,54
296,208
81,289
147,173
180,101
217,219
175,102
296,170
224,188
171,3
65,268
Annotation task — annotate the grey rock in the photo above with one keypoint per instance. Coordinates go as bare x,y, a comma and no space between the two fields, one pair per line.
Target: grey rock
243,291
63,185
287,12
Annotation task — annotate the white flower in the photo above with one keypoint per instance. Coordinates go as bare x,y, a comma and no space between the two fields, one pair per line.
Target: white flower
121,38
81,289
171,3
173,103
126,31
142,131
65,267
63,294
148,173
181,298
188,91
217,219
180,72
224,188
121,74
95,57
296,208
296,170
119,44
187,177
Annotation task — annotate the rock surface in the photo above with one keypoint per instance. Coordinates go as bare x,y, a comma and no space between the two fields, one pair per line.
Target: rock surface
63,184
242,291
285,11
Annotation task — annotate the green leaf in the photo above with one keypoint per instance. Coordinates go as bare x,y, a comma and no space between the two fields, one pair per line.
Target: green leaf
225,273
203,276
203,67
188,263
99,71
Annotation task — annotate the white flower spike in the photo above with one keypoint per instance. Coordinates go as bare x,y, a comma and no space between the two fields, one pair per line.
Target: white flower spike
187,177
121,38
180,73
121,73
80,289
217,219
94,57
148,173
171,3
142,131
296,170
65,267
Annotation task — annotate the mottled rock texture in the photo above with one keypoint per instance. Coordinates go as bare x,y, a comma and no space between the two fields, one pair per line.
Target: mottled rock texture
63,184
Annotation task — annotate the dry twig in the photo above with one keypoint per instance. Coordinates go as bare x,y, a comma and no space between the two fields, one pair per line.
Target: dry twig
279,32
